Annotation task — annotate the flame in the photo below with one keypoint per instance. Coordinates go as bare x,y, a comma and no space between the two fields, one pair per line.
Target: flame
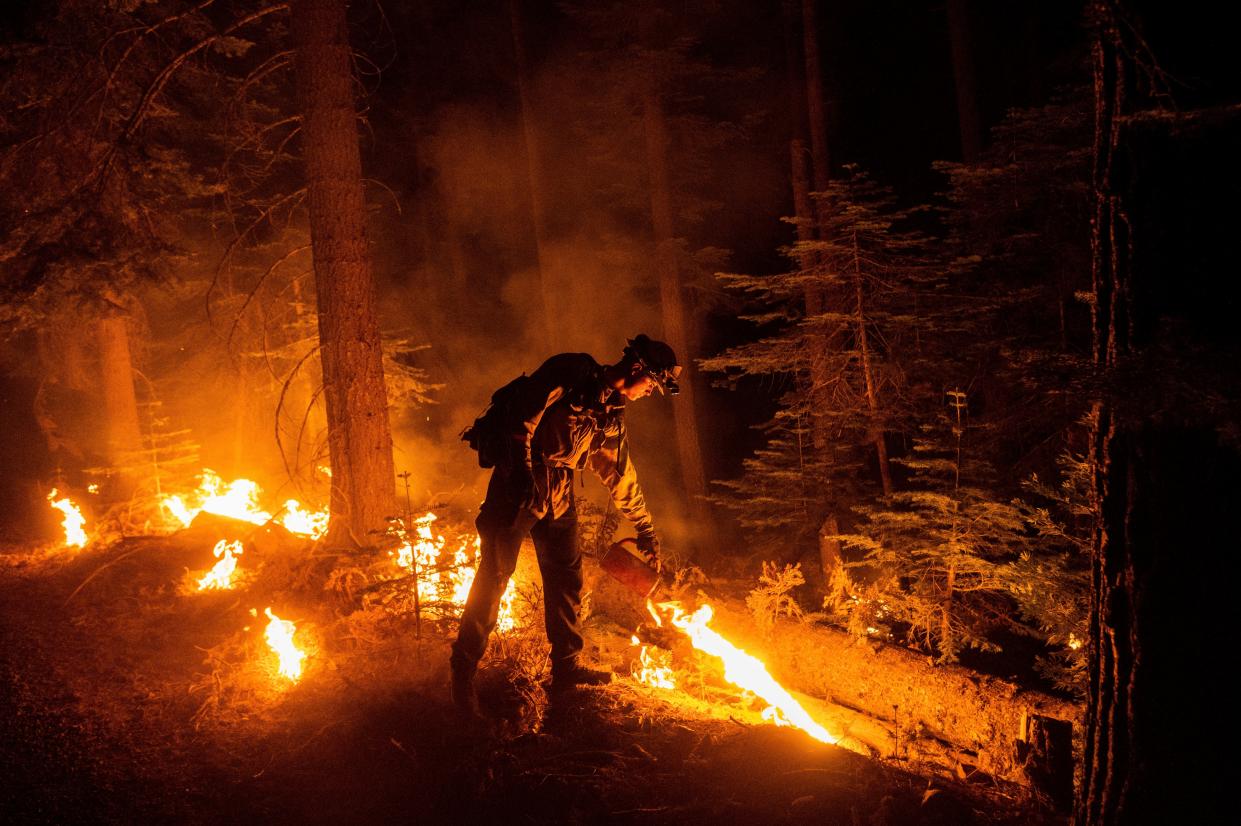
441,579
239,499
280,639
654,670
218,578
74,522
304,523
741,669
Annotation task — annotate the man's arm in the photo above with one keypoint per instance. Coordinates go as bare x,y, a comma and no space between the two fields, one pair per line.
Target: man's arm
615,468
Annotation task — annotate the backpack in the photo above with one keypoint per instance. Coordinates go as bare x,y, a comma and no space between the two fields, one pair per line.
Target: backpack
492,432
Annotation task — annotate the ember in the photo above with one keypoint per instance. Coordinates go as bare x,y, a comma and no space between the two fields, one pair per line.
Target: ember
219,577
280,639
740,668
73,523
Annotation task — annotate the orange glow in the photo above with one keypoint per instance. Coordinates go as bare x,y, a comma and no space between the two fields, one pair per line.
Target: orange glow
655,669
73,523
237,500
304,523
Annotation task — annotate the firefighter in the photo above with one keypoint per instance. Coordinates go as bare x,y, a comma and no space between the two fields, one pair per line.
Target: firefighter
568,416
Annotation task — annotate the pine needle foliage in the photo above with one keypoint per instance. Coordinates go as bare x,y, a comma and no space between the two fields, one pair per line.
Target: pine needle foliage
773,598
837,331
1052,588
944,547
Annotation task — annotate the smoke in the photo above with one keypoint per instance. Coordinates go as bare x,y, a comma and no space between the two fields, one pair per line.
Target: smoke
457,263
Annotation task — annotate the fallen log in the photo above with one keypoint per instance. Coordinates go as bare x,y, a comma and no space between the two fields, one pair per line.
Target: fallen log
984,715
985,718
270,539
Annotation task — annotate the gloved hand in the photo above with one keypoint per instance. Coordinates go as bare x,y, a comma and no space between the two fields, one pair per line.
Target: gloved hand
648,545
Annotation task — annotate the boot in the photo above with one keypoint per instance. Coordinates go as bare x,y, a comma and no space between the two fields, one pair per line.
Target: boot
464,695
573,674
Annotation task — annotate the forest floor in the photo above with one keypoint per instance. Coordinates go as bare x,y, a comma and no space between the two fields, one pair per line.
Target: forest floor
128,698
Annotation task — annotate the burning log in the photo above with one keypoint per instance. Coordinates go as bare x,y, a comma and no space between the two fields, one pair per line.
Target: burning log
916,709
980,714
265,540
239,500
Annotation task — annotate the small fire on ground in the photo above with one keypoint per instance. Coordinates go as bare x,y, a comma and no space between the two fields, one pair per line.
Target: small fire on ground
280,639
743,670
220,576
73,523
239,499
446,577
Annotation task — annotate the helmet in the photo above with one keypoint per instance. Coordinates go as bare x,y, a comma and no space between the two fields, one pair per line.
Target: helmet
657,359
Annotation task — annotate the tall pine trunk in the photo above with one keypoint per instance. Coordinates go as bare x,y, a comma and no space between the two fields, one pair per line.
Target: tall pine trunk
676,323
871,380
803,211
968,121
359,438
534,171
120,404
1165,494
815,105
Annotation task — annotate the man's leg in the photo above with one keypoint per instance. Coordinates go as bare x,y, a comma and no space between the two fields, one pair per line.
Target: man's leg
502,526
560,562
500,533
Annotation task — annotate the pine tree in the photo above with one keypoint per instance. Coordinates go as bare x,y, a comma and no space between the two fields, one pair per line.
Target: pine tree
843,370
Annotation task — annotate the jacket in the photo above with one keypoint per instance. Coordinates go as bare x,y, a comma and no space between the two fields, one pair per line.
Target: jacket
567,419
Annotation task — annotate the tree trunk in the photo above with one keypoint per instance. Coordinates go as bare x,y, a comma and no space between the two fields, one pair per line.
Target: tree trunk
1164,481
530,137
968,118
869,377
120,404
359,438
1045,754
672,304
814,97
803,211
1108,756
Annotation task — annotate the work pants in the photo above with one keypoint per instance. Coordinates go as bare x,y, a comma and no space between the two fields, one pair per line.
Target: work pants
503,523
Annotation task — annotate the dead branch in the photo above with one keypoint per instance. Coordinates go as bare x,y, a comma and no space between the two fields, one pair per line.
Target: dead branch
228,342
297,194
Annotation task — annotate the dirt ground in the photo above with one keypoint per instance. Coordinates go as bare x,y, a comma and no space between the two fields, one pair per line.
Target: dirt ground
127,699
